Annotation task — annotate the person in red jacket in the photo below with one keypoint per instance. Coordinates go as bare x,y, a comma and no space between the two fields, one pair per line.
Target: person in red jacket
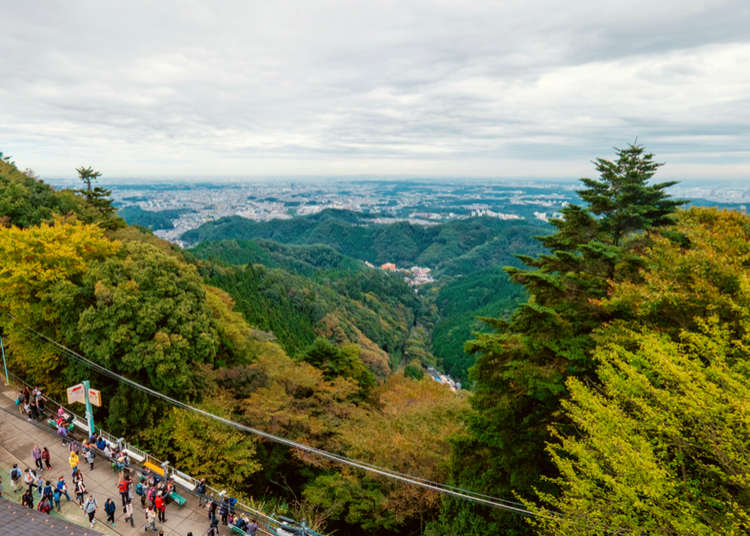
161,507
124,487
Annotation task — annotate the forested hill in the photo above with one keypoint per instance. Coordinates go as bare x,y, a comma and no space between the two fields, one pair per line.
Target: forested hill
613,400
303,260
442,247
468,256
72,270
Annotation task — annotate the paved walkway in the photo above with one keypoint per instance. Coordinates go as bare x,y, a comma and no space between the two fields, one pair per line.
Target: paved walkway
17,438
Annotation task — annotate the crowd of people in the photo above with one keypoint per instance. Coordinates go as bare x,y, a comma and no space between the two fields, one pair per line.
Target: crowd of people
153,490
30,402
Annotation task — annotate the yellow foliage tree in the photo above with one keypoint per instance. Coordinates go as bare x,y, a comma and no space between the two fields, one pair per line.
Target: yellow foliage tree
40,270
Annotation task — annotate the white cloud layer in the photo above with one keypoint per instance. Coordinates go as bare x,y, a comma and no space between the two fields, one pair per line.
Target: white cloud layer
503,89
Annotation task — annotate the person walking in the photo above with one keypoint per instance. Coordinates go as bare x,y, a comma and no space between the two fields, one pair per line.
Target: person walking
90,455
90,509
161,508
124,487
38,481
36,453
224,511
150,519
141,492
56,496
252,528
62,487
19,402
45,458
28,478
15,477
80,491
73,461
27,499
129,513
47,491
110,508
200,489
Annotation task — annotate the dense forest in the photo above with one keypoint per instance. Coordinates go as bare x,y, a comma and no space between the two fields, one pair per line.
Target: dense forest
609,394
467,258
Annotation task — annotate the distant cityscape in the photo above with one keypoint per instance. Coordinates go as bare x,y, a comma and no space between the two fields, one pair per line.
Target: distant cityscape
387,201
422,202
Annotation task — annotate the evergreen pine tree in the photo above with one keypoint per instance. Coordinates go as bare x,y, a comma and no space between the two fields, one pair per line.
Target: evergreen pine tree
522,367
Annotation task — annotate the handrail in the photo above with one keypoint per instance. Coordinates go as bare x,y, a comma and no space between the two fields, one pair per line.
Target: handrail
211,493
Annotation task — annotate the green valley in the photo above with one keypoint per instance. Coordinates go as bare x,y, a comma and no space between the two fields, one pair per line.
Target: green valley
466,257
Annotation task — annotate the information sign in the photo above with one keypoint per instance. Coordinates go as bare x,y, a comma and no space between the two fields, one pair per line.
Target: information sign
76,394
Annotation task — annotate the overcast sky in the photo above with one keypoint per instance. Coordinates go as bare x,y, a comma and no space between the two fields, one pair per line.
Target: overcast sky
514,88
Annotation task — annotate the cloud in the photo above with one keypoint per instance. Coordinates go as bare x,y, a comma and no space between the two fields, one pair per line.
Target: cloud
514,88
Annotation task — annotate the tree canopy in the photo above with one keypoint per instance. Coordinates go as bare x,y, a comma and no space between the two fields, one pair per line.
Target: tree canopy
660,445
521,372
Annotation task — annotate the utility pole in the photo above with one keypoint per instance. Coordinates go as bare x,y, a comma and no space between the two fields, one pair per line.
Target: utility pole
5,366
89,411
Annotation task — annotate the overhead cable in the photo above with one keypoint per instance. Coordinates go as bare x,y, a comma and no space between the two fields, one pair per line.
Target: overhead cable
495,502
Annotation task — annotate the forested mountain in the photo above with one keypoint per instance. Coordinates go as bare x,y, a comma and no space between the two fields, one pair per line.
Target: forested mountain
138,306
152,219
613,399
302,260
467,257
372,309
453,247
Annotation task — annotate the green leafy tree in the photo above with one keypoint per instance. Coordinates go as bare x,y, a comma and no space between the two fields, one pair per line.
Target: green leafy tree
27,201
660,443
522,367
144,312
344,362
661,446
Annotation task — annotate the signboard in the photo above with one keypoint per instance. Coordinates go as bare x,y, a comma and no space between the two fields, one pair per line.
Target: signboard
95,397
76,394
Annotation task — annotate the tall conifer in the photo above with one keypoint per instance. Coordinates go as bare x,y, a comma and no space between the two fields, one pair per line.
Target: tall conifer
520,373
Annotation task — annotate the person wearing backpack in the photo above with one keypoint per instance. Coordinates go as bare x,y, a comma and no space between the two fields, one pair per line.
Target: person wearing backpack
47,491
200,489
80,491
90,510
124,487
56,496
141,493
44,506
110,508
15,477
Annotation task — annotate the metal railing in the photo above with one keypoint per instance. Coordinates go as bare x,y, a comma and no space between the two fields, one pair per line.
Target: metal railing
272,525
